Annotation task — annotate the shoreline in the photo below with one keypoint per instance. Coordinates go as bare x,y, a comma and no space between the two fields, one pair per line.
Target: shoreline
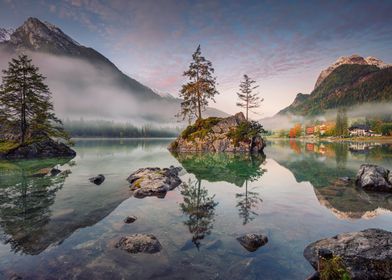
381,139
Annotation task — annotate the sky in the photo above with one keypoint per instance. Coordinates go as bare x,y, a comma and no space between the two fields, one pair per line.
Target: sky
283,45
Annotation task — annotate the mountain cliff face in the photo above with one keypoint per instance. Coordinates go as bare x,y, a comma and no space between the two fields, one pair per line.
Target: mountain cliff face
84,81
349,81
354,59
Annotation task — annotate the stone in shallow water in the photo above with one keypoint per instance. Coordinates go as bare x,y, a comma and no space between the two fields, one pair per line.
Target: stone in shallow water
139,243
252,242
130,219
374,178
366,254
97,179
154,181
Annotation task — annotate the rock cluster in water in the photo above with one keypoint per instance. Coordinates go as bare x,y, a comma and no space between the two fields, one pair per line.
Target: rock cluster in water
374,178
213,135
47,148
365,254
154,181
139,243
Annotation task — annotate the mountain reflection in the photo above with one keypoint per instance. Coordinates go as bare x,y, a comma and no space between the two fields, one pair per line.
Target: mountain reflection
199,207
322,164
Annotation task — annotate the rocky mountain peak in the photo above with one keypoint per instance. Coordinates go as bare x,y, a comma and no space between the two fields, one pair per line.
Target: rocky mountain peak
353,59
5,34
42,36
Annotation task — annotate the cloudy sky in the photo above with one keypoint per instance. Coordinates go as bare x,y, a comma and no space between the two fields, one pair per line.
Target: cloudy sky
283,45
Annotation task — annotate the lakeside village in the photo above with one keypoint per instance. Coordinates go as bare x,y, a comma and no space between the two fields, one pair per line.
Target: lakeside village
340,129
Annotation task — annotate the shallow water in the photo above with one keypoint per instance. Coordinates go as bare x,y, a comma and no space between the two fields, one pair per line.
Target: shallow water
64,227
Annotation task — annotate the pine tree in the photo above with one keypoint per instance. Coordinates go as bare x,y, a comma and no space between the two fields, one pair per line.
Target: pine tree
201,86
26,101
248,99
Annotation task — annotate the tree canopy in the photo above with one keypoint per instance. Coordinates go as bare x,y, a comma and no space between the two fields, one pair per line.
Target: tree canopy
248,98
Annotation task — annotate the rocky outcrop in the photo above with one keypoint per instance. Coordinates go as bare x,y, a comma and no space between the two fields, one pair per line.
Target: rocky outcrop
252,242
154,181
139,243
374,178
365,254
353,59
97,179
46,148
219,135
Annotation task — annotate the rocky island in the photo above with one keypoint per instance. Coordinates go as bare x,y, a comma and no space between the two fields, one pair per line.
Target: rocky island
231,134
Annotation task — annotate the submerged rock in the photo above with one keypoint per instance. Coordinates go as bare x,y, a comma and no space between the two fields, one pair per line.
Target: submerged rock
365,254
47,148
139,243
154,181
46,172
374,178
97,179
130,219
252,242
231,134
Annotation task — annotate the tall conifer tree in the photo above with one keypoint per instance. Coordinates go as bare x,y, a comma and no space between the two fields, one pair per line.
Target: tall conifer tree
26,101
248,99
200,88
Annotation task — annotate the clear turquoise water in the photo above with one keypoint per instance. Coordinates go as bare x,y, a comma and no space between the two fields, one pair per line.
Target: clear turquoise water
64,227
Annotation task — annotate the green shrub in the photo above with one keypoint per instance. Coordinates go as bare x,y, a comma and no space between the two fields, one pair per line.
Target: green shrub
245,131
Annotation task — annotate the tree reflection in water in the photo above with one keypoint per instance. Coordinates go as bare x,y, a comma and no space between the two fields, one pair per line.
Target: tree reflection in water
25,202
200,209
247,202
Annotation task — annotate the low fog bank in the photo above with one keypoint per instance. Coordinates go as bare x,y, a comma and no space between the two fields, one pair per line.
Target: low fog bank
369,110
81,90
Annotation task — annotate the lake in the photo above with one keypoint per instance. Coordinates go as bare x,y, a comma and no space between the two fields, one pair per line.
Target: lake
64,227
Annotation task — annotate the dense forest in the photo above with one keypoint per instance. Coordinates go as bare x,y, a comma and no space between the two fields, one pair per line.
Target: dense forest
110,129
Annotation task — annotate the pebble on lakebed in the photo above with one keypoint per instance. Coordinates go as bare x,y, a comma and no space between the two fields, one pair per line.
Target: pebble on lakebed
130,219
139,243
154,181
252,241
97,179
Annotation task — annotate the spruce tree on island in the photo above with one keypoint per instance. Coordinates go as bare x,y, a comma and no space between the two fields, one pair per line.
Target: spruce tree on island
25,101
248,99
200,88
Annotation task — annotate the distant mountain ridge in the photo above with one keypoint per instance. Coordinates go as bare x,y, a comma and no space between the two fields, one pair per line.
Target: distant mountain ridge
349,81
40,37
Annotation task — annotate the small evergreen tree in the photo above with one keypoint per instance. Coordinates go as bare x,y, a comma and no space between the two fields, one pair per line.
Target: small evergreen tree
201,86
248,99
26,101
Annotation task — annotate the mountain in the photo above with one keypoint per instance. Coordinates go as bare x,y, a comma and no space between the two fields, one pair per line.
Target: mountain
349,81
84,82
354,59
5,34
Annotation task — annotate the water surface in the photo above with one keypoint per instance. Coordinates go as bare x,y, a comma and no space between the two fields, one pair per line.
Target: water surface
64,227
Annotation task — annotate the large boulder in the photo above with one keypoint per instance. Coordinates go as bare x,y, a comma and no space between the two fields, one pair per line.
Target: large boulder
374,178
46,148
219,135
139,243
154,181
365,254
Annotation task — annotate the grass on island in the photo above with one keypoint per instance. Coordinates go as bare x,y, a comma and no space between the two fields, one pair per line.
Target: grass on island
6,146
200,128
333,269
